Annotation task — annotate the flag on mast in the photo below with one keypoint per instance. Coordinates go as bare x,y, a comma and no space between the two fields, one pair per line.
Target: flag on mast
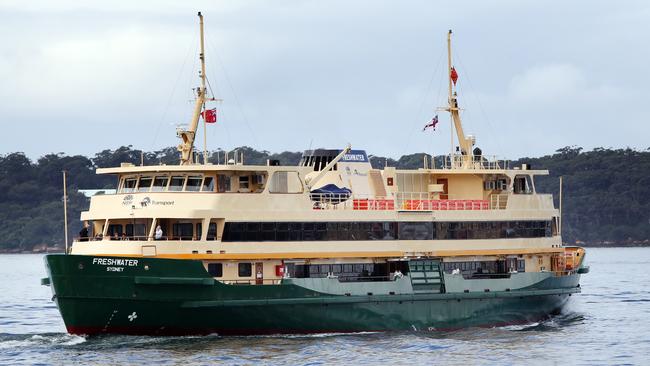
209,115
454,75
432,124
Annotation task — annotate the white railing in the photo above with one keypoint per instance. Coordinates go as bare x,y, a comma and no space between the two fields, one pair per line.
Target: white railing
499,201
330,201
474,162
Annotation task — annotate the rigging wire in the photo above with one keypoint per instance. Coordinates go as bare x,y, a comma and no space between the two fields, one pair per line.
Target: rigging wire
171,96
220,113
417,121
232,89
491,129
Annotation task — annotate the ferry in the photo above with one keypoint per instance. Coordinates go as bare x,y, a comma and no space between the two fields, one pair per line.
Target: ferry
329,245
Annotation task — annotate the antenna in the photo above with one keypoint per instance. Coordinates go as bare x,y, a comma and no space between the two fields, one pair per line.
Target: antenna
65,211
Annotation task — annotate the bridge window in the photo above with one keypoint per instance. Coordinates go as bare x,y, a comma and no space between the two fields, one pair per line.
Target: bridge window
193,183
176,183
129,185
159,183
208,184
145,184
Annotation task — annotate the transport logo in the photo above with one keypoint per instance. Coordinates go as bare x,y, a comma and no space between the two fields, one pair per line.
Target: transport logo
128,199
145,202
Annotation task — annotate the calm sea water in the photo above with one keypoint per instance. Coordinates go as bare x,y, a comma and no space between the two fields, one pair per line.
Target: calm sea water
609,323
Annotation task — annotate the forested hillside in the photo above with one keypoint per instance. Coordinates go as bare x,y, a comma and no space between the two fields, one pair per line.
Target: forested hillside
606,192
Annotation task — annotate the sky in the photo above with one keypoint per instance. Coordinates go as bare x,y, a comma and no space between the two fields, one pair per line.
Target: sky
82,76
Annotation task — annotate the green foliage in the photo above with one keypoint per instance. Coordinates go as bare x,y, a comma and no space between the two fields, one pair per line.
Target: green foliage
606,192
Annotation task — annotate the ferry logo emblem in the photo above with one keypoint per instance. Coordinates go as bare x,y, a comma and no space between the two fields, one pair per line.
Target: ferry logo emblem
145,202
132,316
128,199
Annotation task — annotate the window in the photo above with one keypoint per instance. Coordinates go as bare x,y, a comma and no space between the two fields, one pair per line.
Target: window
215,269
285,182
243,182
176,183
137,231
159,184
523,184
223,183
415,230
208,184
145,184
252,231
114,229
183,231
193,183
212,231
245,270
129,185
268,231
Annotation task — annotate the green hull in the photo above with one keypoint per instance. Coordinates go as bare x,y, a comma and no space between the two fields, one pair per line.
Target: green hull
178,297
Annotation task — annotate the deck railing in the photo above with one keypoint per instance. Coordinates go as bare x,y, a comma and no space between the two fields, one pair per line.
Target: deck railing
474,162
406,201
142,238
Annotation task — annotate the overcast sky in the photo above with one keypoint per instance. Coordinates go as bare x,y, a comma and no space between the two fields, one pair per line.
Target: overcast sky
81,76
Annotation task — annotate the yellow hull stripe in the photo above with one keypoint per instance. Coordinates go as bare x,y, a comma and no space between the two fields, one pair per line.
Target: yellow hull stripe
333,255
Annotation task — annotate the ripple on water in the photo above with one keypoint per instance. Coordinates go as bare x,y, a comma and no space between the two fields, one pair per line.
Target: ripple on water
17,341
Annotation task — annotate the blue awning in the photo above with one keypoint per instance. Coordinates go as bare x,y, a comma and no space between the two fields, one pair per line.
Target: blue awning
330,193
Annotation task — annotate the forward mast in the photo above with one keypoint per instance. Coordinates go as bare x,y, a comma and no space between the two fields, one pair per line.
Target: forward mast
186,147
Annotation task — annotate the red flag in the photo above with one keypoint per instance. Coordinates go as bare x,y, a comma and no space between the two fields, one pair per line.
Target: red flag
210,115
454,75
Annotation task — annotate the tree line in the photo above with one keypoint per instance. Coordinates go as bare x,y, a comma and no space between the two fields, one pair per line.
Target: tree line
606,191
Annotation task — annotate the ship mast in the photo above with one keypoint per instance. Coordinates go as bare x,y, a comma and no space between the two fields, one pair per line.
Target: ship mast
464,143
187,136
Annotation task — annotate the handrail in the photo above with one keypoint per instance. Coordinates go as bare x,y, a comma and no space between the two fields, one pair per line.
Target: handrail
459,161
141,238
404,201
253,281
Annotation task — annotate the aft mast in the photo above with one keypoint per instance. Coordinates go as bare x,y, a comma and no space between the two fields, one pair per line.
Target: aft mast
465,143
187,136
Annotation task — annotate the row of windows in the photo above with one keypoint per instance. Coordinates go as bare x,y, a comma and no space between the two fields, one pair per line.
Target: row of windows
380,271
243,269
318,231
347,271
180,231
185,231
242,182
252,182
477,269
487,266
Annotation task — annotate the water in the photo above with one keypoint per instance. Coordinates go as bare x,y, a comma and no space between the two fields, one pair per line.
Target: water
609,323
